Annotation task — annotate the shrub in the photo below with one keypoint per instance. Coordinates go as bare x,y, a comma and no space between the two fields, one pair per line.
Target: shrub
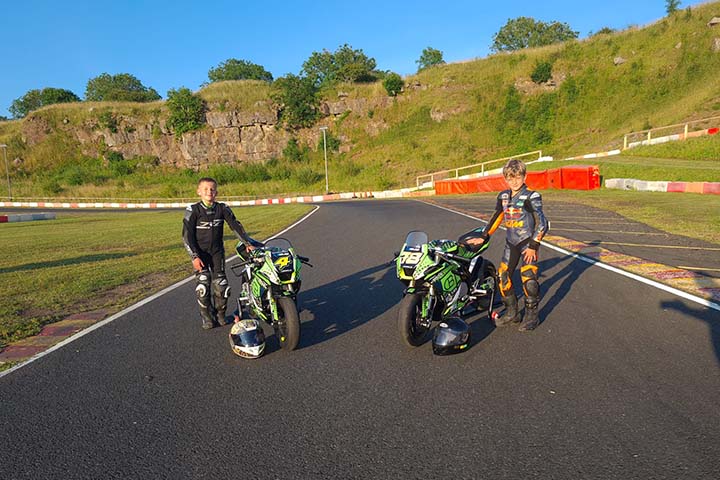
187,111
333,143
430,57
122,87
297,97
254,172
307,176
542,72
234,69
393,84
344,65
35,99
294,153
107,119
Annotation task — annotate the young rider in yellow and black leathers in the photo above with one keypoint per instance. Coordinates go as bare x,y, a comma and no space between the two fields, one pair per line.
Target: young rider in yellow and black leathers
521,210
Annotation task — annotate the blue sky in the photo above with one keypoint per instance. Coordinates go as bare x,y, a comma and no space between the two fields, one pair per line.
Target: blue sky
169,44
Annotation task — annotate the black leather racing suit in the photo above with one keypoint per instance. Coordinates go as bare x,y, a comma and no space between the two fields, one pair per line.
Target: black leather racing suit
526,226
203,229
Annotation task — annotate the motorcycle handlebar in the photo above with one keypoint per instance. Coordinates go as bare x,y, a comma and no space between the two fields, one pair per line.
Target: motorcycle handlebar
452,256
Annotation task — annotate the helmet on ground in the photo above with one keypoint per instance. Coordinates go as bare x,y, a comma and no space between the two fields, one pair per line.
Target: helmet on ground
247,339
452,335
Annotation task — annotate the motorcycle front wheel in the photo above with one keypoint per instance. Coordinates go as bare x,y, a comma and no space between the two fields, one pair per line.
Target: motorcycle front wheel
288,323
412,330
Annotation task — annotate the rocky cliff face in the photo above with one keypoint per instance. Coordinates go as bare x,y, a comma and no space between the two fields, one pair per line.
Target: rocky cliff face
230,137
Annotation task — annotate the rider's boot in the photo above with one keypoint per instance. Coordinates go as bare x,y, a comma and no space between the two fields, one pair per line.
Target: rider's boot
207,318
530,318
532,299
511,314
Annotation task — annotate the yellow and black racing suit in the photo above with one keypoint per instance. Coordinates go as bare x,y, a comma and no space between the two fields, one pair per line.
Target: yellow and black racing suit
526,225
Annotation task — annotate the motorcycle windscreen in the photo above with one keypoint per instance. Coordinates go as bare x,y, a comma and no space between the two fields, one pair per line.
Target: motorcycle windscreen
416,238
279,243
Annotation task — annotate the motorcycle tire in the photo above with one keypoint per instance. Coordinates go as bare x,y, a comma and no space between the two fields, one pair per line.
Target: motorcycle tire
288,327
411,331
486,302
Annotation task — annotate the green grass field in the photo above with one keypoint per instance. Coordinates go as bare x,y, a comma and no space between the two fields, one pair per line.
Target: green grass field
84,261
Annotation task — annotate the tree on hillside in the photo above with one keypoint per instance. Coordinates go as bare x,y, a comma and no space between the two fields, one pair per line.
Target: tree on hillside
523,32
344,65
187,110
35,99
297,97
234,69
672,6
430,56
122,87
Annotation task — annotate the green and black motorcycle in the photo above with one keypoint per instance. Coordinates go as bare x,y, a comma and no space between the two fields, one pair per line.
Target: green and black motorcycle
442,278
270,277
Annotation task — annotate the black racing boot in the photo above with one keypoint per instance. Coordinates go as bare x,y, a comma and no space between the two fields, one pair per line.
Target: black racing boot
530,318
221,317
207,320
511,314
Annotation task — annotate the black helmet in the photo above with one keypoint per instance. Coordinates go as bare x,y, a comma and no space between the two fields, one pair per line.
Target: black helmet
247,339
452,335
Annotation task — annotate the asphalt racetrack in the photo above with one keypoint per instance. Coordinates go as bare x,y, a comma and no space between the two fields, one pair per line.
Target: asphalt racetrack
621,381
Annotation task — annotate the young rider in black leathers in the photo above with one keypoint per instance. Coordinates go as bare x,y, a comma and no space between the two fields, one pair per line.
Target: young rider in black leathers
203,238
521,210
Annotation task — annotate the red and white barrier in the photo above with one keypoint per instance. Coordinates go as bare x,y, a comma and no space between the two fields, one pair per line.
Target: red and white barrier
712,188
574,177
26,217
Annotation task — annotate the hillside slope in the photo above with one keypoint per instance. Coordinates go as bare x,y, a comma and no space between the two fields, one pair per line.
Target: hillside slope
447,116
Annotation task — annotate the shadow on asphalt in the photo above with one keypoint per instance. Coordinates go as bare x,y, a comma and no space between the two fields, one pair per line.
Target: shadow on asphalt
340,306
703,314
564,280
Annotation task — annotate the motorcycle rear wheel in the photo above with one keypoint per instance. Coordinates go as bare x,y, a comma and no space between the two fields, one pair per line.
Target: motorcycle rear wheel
288,325
412,332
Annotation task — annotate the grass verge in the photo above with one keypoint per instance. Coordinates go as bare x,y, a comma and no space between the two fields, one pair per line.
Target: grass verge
688,214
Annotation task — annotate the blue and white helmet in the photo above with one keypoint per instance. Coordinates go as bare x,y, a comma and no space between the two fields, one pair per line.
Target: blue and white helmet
247,339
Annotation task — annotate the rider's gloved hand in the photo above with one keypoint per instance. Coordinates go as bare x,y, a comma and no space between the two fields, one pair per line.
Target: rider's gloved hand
197,264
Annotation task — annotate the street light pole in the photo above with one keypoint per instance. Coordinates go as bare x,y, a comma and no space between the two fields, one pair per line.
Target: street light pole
327,189
7,170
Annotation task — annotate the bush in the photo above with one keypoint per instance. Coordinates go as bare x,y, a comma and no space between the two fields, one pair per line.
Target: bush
333,143
297,97
234,69
307,176
107,119
344,65
430,57
294,153
122,87
254,172
524,32
187,111
35,99
542,72
278,170
393,84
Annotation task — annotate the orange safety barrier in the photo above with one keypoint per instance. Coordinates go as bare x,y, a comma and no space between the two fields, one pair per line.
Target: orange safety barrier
574,177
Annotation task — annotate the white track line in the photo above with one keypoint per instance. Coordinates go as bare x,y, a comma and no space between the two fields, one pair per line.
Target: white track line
600,264
129,309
